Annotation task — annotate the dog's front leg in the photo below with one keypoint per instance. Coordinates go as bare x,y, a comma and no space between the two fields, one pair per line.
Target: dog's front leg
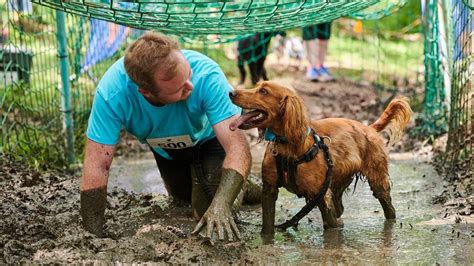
269,197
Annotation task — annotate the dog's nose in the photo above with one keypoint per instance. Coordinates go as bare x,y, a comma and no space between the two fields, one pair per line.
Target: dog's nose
232,94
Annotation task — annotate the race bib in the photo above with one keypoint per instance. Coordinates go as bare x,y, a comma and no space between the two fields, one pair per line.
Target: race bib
175,142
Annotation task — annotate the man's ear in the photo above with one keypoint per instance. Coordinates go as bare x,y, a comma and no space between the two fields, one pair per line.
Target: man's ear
144,92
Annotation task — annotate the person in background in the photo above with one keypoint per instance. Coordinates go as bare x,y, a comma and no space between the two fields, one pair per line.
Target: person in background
253,50
316,40
176,101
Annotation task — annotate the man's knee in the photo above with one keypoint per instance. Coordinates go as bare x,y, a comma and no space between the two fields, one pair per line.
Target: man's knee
179,194
252,191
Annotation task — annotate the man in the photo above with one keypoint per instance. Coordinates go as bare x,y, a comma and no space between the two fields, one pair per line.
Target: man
177,102
316,39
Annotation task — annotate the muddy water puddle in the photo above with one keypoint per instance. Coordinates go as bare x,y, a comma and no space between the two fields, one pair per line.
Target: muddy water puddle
419,234
139,176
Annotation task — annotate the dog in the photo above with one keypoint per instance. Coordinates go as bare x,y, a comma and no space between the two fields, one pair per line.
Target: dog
345,150
253,50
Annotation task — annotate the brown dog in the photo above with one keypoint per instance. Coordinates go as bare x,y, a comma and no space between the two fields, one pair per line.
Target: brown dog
354,150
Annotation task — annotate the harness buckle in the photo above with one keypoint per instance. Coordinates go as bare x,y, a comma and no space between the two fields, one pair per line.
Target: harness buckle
327,137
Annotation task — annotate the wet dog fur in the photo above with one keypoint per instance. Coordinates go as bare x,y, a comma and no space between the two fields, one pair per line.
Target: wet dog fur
355,149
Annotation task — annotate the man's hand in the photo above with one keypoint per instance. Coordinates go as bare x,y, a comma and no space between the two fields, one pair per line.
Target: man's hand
92,210
219,215
236,165
97,161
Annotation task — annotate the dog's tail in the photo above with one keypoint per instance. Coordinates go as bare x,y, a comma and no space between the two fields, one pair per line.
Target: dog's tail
394,119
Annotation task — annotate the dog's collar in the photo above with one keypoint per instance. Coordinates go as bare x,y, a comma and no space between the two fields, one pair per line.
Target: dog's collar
271,136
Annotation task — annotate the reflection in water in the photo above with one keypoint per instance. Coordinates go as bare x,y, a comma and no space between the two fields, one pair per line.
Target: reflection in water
388,233
333,238
336,239
141,176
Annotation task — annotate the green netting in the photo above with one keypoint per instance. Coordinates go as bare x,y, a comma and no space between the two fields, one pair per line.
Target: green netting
32,113
392,64
386,52
28,131
469,4
433,121
377,11
29,98
459,152
211,17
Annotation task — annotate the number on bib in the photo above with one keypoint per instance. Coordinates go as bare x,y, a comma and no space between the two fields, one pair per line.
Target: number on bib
175,142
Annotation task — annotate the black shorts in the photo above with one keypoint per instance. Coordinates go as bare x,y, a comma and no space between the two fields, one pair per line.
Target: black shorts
194,173
319,31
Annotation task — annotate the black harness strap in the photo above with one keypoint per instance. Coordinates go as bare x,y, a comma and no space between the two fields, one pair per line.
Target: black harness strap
286,170
287,177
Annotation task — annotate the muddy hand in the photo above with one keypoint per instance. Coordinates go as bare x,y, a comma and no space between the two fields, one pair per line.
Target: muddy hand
219,215
218,218
92,210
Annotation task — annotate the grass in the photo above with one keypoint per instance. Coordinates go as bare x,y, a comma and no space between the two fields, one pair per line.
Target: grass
378,55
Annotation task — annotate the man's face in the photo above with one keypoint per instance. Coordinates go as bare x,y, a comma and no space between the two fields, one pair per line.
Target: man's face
178,88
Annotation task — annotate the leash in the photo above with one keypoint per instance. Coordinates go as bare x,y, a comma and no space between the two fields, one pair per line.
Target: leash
292,166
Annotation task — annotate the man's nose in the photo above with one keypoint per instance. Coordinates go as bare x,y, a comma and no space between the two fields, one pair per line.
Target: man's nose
232,94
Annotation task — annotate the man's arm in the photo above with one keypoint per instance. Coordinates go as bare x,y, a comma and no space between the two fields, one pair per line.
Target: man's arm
237,149
97,161
235,169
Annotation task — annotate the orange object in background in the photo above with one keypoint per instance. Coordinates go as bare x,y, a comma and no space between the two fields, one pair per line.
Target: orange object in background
358,26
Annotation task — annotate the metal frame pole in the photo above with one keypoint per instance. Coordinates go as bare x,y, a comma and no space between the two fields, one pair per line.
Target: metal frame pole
66,89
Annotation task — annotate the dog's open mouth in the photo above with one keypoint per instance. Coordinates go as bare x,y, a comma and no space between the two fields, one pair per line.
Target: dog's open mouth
249,119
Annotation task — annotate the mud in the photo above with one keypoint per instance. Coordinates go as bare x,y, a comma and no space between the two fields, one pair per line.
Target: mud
40,222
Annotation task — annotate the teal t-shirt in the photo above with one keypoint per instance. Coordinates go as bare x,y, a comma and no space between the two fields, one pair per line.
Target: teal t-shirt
117,104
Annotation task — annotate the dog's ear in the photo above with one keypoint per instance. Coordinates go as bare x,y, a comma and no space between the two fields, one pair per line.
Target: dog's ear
294,119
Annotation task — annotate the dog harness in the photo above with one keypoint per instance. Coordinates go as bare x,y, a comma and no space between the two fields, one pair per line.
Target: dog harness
287,169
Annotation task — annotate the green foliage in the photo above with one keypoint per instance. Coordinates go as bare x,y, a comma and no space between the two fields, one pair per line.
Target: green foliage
416,103
399,20
431,124
374,58
28,143
217,53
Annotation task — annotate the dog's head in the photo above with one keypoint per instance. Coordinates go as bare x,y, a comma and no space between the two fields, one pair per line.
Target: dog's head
273,106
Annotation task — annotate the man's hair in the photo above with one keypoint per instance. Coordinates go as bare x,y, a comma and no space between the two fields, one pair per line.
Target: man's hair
148,53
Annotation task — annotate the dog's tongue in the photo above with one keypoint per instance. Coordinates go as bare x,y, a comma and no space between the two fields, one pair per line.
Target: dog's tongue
242,119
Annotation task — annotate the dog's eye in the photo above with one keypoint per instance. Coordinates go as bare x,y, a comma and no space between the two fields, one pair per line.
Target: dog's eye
263,91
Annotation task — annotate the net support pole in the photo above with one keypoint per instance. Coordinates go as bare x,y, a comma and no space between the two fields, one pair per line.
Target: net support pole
66,89
445,49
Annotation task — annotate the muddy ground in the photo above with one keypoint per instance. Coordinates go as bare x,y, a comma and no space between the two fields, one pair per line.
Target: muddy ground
40,222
